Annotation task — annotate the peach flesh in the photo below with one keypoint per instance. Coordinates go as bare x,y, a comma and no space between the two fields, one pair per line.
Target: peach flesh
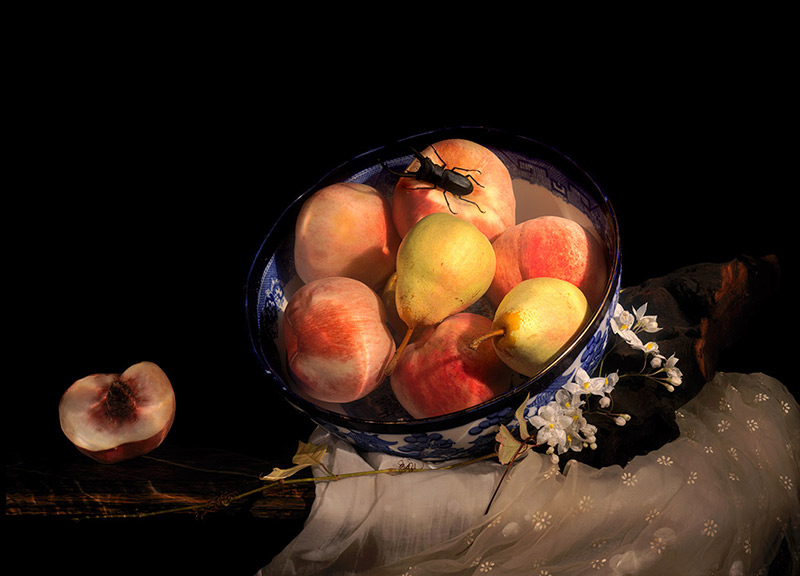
439,373
346,229
337,341
549,246
116,417
494,196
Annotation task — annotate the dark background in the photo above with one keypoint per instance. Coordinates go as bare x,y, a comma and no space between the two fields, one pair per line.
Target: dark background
148,190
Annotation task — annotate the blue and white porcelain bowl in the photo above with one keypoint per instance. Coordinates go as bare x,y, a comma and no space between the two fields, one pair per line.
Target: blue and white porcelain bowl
545,182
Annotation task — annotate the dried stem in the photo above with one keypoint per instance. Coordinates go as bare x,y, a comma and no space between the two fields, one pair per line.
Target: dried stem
228,498
399,351
488,336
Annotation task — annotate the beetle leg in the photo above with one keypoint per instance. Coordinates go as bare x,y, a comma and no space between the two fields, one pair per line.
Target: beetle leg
471,177
444,193
472,202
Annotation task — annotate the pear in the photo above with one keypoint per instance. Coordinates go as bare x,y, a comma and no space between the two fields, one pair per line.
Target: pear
535,321
444,265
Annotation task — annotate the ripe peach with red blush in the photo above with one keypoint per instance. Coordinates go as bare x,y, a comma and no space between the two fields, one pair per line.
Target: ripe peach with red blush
346,229
116,417
439,373
491,206
549,246
337,341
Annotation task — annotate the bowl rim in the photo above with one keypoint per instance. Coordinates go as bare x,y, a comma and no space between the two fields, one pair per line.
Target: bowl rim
488,136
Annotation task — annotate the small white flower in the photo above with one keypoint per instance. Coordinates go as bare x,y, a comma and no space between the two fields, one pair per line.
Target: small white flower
598,563
692,478
761,397
786,481
629,479
709,449
487,566
552,423
785,406
733,453
650,348
723,425
580,433
664,460
568,400
582,383
622,321
610,382
752,425
645,322
630,338
674,374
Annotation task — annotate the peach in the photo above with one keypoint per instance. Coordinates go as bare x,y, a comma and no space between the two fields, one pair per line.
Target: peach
439,373
549,246
337,341
346,229
494,207
116,417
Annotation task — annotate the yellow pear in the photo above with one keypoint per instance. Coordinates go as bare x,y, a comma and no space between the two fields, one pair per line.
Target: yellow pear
535,321
444,265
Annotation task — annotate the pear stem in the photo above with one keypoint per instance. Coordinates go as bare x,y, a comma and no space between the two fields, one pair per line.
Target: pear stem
399,351
488,336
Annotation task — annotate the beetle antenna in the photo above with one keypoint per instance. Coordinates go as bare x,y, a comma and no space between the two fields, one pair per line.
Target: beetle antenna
395,172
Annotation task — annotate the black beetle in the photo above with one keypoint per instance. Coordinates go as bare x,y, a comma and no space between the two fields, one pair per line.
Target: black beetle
438,176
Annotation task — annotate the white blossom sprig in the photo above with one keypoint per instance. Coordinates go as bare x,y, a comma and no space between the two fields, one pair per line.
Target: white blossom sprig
561,424
627,325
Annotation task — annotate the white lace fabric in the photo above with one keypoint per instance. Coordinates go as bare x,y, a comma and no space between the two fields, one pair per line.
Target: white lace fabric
717,500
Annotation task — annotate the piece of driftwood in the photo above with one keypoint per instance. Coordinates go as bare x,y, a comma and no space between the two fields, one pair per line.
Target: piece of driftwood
703,310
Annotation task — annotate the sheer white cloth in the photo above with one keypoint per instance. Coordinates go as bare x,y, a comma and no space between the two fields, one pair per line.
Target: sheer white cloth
717,500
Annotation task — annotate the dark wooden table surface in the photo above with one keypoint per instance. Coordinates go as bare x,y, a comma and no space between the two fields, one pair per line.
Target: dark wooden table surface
141,252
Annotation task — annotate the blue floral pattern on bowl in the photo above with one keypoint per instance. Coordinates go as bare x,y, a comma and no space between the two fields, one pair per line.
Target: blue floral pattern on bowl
378,422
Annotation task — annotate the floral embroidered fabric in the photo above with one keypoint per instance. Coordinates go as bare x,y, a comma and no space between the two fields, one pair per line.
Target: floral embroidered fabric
718,500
